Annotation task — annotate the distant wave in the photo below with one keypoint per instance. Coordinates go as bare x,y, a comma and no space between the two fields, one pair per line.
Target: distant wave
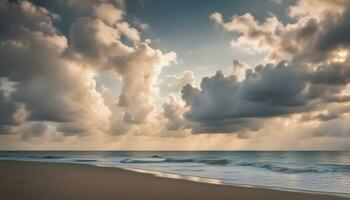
86,160
158,159
47,157
268,166
179,160
156,156
143,160
290,169
216,161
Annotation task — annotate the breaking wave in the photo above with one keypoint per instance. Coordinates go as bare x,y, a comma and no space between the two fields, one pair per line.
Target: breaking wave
291,169
267,166
158,159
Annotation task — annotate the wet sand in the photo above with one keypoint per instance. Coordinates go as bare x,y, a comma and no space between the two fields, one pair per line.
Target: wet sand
54,181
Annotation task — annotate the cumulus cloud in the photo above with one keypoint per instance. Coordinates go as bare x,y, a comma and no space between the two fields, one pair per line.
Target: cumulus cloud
173,112
224,102
255,35
224,105
51,88
55,78
137,66
239,69
315,36
173,84
99,46
108,13
314,80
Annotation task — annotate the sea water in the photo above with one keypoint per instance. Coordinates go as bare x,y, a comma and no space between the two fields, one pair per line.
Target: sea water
316,171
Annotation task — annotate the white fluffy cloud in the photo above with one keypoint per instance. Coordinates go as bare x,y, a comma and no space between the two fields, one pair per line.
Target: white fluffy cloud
173,84
55,78
258,37
315,35
51,88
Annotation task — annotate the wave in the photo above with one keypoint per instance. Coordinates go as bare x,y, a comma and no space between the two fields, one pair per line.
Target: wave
156,160
179,160
47,157
86,160
156,156
53,157
216,161
143,160
159,159
290,169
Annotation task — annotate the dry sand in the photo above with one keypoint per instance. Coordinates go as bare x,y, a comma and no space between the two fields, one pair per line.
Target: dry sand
52,181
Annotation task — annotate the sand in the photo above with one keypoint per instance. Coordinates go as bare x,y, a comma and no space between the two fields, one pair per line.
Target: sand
52,181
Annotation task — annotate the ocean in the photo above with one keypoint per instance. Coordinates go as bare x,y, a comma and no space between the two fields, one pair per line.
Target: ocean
314,171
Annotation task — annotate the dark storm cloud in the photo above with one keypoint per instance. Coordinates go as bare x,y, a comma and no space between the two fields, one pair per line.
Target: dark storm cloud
336,34
318,39
333,74
222,104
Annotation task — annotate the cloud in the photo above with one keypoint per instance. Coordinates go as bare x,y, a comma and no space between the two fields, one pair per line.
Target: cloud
276,1
50,87
108,13
173,84
173,112
228,105
224,105
333,128
54,75
217,18
128,31
255,35
314,79
314,36
37,129
333,74
101,49
91,5
55,94
239,69
8,111
141,25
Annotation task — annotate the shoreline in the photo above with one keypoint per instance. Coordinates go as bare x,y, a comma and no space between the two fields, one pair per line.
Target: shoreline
158,187
196,179
213,181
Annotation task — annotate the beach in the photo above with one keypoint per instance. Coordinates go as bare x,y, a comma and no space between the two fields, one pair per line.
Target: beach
62,181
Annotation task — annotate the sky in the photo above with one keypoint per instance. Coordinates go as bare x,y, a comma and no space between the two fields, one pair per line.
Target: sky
174,75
